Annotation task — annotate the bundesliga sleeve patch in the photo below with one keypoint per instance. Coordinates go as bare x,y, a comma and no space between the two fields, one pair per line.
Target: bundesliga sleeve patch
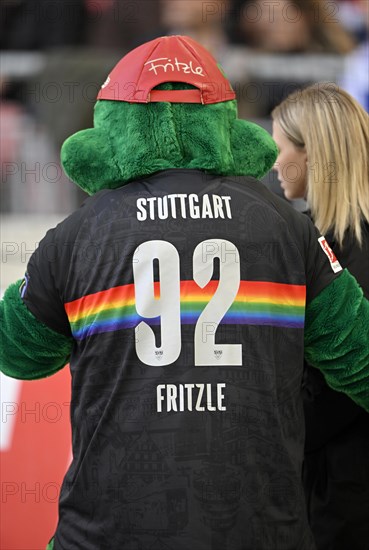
335,265
23,286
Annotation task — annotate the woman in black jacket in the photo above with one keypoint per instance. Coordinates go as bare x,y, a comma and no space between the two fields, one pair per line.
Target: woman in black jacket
323,139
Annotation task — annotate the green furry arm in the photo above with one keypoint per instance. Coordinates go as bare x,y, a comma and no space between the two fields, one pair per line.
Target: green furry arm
337,337
29,349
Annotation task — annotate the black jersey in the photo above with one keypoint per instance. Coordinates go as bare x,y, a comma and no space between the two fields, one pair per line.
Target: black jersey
327,412
185,295
337,439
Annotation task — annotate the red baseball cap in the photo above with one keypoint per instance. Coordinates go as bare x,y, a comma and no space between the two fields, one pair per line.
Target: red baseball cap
167,59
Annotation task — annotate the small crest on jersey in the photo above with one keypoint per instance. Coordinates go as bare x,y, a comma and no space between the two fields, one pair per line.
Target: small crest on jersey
218,353
336,266
159,354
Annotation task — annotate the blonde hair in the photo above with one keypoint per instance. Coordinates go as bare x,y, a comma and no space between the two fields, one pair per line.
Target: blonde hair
334,129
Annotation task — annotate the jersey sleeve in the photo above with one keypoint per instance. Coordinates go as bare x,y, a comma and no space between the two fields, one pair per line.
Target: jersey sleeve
34,328
322,266
41,289
336,322
29,349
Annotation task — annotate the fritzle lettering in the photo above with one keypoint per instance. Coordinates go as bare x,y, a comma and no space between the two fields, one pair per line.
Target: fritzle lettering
174,66
190,397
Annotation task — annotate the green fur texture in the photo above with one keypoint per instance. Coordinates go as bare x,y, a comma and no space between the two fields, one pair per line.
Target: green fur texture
132,140
29,349
337,340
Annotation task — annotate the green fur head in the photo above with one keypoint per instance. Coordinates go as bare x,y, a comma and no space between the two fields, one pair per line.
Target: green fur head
133,140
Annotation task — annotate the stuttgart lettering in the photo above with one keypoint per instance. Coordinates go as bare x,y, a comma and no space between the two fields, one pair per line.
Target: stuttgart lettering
181,205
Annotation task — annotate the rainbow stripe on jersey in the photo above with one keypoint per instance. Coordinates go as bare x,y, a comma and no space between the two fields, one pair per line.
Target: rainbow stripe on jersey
256,303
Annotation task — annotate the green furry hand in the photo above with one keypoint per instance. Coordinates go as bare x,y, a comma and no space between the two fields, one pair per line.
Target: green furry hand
337,338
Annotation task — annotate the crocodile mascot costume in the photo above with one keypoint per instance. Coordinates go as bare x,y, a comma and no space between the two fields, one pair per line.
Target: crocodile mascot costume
184,296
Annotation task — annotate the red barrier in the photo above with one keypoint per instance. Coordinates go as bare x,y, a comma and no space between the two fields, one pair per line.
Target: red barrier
35,417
